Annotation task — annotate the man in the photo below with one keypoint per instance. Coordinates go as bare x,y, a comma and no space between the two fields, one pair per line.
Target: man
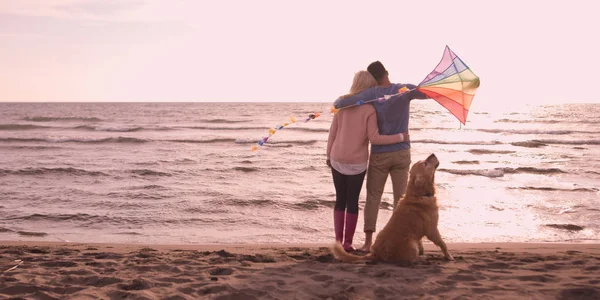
392,118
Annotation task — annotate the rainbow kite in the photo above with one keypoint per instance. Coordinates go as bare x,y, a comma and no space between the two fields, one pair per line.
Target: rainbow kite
452,84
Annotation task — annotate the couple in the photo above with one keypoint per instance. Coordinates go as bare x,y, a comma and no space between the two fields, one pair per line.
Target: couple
385,125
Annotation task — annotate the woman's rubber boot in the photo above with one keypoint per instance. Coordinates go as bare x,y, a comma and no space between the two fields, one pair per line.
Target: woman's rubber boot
351,220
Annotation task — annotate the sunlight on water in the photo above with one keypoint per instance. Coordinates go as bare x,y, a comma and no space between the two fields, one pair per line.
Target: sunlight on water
184,173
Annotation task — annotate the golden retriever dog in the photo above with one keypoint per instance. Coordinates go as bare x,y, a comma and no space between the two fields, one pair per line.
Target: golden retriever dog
415,217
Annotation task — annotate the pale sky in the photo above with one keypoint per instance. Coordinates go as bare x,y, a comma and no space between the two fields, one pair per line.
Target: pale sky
282,51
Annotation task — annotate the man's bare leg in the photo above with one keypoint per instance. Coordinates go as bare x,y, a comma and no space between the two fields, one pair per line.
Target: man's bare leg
377,174
421,250
368,241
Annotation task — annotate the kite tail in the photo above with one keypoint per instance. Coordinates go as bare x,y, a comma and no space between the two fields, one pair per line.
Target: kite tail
313,116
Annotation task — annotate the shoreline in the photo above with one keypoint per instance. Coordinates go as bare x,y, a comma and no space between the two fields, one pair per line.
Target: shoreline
59,270
210,247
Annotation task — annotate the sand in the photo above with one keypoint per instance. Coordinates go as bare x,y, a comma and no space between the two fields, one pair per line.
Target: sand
125,271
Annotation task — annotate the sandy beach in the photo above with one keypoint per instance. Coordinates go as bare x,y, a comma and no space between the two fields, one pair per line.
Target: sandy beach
127,271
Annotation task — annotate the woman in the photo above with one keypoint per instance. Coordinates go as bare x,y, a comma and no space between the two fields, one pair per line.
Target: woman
348,154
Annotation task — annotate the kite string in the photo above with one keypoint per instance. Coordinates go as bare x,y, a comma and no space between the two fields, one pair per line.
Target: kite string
332,110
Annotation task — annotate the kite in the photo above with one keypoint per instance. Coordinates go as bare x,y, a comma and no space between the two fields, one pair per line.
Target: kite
452,84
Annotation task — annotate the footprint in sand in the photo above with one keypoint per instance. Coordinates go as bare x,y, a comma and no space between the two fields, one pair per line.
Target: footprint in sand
321,277
537,278
582,293
592,268
59,264
221,271
136,284
462,277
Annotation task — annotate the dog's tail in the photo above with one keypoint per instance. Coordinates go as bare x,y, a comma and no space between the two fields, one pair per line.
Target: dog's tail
339,253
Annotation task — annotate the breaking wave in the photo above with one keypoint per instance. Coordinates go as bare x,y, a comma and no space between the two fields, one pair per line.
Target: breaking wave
500,172
488,151
487,173
546,189
532,170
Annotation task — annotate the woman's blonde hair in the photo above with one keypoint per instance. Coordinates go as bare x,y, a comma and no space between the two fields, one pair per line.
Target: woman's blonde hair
362,81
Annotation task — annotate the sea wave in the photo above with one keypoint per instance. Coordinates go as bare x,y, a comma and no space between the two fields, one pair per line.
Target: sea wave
148,172
89,127
544,188
206,141
489,151
308,129
533,170
549,121
532,131
34,147
239,128
466,162
110,129
426,141
280,143
246,169
137,196
500,172
21,127
492,173
545,142
529,144
56,217
569,142
82,218
119,139
222,121
51,119
312,204
45,171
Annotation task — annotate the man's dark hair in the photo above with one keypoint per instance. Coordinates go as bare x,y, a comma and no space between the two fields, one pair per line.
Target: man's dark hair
377,70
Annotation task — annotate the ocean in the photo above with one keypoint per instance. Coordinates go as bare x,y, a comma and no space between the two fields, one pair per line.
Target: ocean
183,173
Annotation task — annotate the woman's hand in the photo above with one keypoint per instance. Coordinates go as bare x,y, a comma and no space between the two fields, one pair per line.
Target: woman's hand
405,136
